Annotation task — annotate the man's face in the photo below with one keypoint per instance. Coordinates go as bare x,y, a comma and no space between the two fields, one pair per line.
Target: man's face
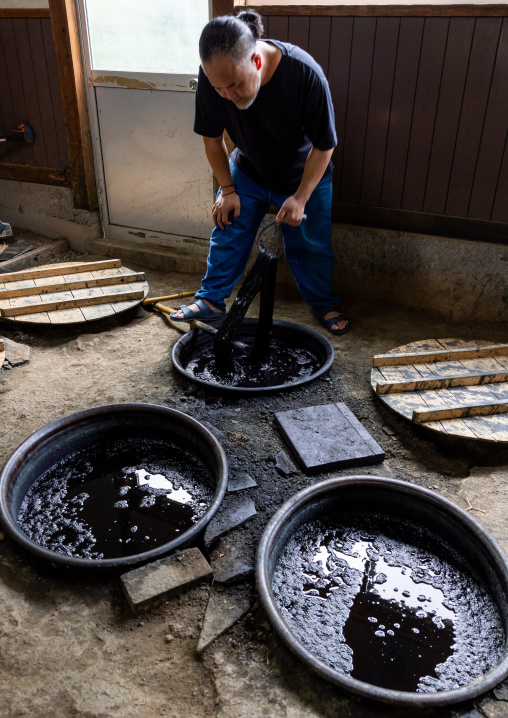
238,83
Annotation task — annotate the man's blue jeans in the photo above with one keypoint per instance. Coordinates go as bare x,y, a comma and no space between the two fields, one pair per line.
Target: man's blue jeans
308,247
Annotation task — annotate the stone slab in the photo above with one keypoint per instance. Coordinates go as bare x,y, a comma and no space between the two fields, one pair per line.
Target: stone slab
15,353
232,561
327,436
165,577
233,512
284,465
240,482
224,609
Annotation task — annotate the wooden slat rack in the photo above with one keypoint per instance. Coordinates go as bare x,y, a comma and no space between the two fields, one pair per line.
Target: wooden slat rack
70,293
452,386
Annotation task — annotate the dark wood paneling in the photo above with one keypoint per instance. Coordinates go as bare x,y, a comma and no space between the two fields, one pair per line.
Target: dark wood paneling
476,93
494,133
24,12
383,72
299,31
28,76
401,113
446,123
362,52
341,41
421,106
424,111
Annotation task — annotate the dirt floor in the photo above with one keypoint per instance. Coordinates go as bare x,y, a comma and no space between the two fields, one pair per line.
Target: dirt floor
70,645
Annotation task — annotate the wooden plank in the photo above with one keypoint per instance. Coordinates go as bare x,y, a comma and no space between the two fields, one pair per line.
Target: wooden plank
48,127
453,80
71,285
15,50
401,114
2,345
38,318
24,12
493,138
341,39
65,26
98,312
483,409
319,41
383,71
444,382
435,35
12,150
54,87
37,175
500,210
362,51
66,316
70,304
462,10
472,118
60,269
29,86
299,31
491,350
279,28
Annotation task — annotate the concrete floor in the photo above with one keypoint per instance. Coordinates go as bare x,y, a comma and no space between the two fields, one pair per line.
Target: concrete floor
69,643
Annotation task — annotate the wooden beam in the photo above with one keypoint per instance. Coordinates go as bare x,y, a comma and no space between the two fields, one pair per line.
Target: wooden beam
222,7
480,230
24,12
70,286
460,412
71,303
443,382
64,23
464,10
437,356
38,175
60,269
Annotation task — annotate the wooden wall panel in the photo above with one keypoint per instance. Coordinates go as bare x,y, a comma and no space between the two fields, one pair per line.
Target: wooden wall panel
472,116
30,93
421,106
494,134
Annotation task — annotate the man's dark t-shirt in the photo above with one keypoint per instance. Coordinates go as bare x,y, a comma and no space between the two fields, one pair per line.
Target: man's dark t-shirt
273,137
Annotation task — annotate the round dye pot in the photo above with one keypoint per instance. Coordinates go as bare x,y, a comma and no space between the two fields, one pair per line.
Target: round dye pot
293,335
84,429
400,501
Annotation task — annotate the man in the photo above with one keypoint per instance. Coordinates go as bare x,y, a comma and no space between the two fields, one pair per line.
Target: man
274,101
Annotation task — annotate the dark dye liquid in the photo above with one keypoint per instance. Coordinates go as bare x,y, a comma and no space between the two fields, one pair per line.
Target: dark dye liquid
387,603
283,364
117,498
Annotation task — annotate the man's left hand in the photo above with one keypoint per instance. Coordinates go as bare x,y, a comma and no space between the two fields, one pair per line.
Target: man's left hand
291,211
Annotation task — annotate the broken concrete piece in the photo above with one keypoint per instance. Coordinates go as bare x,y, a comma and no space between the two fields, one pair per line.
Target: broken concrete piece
231,561
224,609
240,482
234,511
16,354
165,577
328,436
284,465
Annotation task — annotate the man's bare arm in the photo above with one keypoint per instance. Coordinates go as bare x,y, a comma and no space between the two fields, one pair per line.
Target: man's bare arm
293,208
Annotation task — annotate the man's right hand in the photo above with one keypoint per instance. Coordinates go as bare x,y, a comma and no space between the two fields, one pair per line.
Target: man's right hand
223,206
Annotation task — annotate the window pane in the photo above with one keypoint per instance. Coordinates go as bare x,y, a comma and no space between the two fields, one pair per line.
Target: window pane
154,36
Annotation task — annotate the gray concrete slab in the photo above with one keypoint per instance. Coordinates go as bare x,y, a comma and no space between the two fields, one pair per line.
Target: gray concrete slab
327,437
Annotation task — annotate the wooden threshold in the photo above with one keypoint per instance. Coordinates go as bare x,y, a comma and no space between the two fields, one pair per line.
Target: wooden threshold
38,175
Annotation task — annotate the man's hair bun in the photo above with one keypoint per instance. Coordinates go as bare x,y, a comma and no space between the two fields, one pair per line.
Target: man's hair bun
254,21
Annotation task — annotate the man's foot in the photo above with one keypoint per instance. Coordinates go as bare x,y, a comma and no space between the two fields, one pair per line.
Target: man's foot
332,319
337,326
200,309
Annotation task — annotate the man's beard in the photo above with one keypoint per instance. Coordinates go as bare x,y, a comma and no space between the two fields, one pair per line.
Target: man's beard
249,101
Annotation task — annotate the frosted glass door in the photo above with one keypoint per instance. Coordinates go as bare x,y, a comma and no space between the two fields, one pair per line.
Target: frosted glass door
143,62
